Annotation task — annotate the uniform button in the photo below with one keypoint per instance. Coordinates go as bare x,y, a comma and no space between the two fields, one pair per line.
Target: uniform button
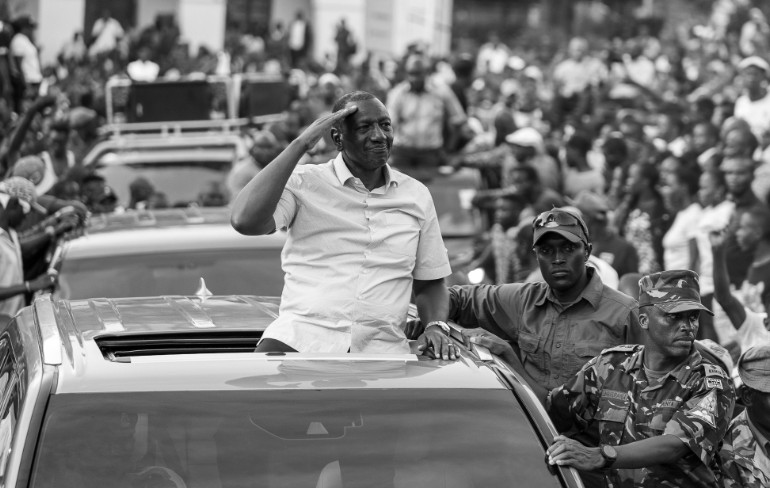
558,345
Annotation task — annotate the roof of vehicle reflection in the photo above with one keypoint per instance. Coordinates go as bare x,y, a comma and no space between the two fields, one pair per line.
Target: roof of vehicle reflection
83,322
171,230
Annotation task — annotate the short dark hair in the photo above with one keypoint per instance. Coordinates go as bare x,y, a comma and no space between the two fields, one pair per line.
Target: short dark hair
688,176
356,96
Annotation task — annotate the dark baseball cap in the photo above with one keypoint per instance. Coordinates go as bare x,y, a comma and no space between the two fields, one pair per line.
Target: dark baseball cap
672,291
562,222
754,368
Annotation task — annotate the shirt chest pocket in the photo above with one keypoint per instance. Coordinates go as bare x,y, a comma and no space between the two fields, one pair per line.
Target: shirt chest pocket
612,411
398,232
531,348
584,352
661,414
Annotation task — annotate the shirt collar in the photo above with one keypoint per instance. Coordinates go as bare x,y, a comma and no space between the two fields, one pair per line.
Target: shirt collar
762,441
681,372
343,173
592,293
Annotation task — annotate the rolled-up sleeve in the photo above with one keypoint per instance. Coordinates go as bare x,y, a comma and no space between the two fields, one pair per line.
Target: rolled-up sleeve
492,307
288,204
432,260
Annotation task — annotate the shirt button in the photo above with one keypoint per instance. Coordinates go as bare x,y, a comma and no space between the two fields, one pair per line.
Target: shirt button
364,271
558,345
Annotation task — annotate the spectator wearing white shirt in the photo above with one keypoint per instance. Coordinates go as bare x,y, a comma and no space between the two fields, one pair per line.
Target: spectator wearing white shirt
105,35
753,105
143,69
23,48
680,197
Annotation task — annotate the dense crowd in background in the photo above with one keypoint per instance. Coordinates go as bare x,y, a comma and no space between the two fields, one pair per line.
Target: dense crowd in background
656,141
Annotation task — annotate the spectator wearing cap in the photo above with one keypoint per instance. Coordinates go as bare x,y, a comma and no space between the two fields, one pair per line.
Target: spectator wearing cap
423,111
753,105
607,244
24,49
556,325
745,452
651,414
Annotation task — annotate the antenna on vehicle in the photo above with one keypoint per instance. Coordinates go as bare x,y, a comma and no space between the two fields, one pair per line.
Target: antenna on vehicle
202,292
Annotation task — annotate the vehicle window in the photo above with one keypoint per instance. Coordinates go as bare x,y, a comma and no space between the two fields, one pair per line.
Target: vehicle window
226,272
300,438
182,183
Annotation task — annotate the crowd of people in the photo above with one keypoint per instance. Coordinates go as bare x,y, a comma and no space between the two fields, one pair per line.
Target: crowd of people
624,202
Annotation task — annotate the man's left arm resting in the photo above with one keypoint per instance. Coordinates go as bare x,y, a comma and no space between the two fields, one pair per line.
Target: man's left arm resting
432,300
638,454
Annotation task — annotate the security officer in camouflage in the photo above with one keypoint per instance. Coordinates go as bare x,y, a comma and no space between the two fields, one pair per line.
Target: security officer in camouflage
745,453
653,414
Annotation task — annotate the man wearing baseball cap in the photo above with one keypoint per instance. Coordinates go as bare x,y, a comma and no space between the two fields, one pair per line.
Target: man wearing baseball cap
557,325
650,414
745,452
753,105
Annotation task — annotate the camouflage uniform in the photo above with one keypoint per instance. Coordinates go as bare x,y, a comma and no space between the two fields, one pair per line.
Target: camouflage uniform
745,463
610,402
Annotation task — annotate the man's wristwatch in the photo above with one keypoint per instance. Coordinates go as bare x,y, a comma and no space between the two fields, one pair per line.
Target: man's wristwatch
609,454
440,323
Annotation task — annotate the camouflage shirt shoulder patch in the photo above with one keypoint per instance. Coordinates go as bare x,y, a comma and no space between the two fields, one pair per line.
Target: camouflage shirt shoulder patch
713,371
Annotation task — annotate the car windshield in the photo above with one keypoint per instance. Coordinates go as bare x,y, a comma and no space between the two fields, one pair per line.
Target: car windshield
293,439
238,272
196,175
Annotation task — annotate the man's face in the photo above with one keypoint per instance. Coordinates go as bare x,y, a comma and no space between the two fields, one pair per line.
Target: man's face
738,175
753,77
563,263
709,193
669,334
367,135
702,138
758,408
736,143
522,182
58,142
416,73
506,212
14,212
749,232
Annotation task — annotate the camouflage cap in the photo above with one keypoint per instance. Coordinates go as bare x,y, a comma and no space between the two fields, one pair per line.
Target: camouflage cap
754,368
672,291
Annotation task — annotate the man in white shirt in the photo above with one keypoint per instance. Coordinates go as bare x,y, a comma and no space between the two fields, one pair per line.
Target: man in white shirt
105,35
299,39
753,105
23,48
143,69
360,236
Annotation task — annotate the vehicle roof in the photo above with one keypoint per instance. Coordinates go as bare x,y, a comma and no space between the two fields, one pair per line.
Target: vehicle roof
152,145
168,230
85,368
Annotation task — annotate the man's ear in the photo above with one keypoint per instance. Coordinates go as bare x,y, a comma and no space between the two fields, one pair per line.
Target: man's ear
337,138
745,395
589,249
644,320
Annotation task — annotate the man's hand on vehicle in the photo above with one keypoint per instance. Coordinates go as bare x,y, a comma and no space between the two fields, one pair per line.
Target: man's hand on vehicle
434,341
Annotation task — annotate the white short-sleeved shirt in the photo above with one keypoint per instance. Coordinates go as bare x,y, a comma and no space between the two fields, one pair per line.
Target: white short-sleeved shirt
755,112
753,332
350,259
711,219
676,242
22,46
